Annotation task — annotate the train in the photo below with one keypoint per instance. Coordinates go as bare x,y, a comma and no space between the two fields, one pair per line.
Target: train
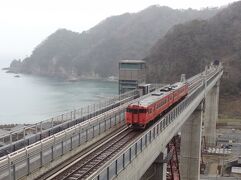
140,114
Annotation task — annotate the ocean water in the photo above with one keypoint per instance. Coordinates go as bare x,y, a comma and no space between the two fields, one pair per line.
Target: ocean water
30,99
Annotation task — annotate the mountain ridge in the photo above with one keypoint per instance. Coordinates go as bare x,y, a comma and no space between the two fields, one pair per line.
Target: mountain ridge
96,52
188,47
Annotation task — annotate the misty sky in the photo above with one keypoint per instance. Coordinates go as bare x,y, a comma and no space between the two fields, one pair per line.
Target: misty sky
25,23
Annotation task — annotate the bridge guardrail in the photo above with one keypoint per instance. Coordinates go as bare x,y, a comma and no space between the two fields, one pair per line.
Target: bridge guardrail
119,162
26,160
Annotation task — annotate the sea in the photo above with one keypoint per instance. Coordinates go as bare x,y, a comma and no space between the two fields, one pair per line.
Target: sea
30,99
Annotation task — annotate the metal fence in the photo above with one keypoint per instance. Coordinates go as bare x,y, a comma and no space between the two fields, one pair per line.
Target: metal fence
112,168
26,160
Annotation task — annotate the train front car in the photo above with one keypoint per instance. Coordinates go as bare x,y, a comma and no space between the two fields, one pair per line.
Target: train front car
136,116
141,113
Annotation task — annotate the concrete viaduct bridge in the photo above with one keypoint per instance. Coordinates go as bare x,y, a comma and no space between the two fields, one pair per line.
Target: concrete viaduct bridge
96,144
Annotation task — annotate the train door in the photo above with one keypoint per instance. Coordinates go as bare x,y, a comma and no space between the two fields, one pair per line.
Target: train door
170,99
175,96
135,115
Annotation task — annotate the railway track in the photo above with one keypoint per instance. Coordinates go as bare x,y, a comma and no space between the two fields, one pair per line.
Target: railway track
84,166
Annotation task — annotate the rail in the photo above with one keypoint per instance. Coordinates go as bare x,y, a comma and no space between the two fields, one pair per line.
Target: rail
88,164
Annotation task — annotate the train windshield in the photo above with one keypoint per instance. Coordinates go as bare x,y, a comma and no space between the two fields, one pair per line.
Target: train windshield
136,111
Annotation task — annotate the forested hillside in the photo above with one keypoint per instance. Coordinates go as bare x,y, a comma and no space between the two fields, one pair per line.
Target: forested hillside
96,52
189,47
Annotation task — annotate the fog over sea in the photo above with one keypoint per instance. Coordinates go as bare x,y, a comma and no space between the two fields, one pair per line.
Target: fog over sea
30,99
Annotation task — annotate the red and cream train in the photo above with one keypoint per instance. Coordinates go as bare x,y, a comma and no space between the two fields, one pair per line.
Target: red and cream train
141,113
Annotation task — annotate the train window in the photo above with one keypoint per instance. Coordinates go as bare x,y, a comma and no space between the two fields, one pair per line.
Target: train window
142,110
164,102
136,111
128,110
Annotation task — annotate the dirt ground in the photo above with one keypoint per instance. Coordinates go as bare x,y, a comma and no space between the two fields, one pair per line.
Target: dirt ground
230,107
212,162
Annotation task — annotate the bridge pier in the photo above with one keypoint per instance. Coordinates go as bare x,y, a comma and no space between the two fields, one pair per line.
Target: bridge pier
191,146
211,115
158,169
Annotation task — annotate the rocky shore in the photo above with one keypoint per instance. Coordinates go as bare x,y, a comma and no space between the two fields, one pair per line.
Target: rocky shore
16,68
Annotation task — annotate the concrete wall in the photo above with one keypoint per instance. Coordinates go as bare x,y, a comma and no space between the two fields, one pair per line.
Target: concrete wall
138,75
157,170
191,146
211,115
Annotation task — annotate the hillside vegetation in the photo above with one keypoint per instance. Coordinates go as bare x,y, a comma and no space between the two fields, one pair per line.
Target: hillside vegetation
96,52
190,46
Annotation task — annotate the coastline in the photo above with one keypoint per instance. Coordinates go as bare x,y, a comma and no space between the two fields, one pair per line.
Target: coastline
89,78
5,68
31,98
67,78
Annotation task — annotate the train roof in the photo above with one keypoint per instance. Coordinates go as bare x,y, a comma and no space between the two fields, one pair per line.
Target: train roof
159,94
132,61
177,85
155,96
